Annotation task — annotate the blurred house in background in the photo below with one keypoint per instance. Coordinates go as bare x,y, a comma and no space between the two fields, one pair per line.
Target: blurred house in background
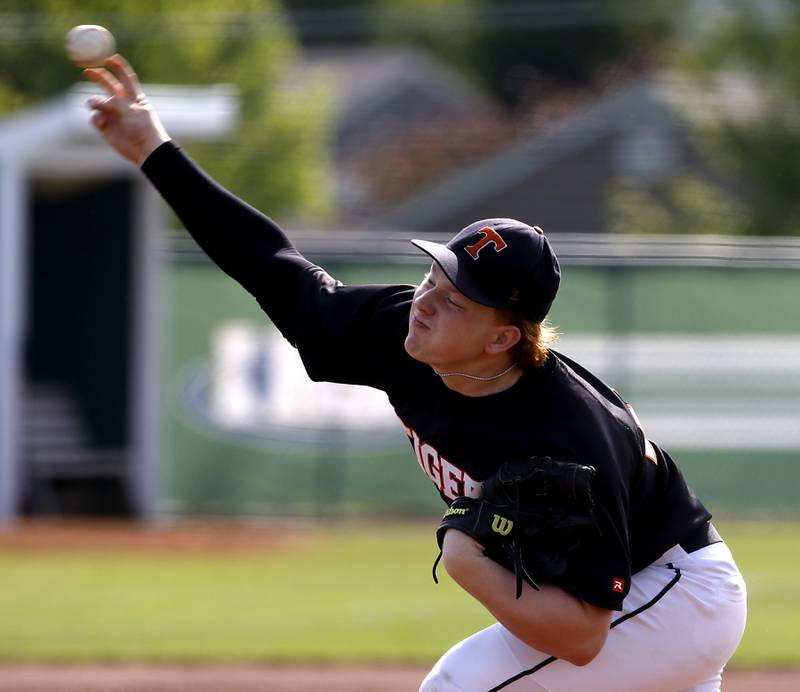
560,174
398,116
415,146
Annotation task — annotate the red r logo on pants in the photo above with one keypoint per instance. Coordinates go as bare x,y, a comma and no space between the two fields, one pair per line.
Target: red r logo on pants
489,236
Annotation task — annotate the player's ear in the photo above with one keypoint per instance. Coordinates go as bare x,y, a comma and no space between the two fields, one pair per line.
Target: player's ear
505,337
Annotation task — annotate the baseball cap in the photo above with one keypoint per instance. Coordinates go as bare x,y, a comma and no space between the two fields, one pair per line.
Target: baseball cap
502,263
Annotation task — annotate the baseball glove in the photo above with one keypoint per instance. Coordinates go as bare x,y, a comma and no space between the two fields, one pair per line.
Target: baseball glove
532,515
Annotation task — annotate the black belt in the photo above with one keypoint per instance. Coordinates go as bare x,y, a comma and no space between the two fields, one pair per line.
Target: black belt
700,537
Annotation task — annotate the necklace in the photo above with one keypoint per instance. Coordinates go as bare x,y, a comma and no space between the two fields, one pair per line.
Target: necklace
477,377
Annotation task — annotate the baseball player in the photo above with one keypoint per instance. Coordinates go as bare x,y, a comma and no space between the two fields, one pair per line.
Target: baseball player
564,520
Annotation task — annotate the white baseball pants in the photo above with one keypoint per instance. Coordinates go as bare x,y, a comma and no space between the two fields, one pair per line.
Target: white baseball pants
682,620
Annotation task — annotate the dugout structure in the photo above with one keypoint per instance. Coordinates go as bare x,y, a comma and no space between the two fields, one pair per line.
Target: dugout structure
79,306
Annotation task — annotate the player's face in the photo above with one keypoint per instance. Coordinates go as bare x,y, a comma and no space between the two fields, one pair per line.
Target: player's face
448,330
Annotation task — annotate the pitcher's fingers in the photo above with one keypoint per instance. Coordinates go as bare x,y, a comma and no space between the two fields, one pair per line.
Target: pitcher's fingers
99,120
127,75
107,105
105,79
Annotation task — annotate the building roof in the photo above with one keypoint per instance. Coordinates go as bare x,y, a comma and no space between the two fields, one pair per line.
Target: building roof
530,155
644,116
382,90
57,135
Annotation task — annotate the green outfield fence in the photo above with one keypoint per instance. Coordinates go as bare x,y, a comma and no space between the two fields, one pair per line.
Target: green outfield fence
700,334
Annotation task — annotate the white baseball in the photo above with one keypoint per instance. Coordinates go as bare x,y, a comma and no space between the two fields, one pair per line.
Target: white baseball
88,45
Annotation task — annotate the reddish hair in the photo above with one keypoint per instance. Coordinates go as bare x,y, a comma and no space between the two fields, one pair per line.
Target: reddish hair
533,348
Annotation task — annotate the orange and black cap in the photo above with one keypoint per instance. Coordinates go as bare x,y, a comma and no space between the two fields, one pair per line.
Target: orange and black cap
502,263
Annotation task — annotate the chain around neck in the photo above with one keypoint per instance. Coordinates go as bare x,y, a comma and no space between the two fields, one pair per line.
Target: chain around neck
481,378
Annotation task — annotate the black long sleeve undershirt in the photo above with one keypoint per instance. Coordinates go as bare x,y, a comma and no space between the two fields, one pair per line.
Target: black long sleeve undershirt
247,245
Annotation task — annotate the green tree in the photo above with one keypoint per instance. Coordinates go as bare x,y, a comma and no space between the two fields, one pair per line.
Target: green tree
755,144
276,157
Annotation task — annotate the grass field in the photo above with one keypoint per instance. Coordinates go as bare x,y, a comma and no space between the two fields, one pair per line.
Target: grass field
340,593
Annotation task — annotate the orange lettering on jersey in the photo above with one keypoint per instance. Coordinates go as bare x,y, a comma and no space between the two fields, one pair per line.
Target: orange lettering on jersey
649,450
413,438
489,236
472,488
451,480
431,464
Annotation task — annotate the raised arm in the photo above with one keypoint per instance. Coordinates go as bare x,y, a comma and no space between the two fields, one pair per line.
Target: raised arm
242,241
125,118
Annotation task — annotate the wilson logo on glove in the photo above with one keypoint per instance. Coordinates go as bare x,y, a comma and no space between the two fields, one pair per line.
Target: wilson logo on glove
533,515
502,525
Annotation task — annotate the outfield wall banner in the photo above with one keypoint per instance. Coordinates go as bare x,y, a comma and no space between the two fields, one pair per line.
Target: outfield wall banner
709,356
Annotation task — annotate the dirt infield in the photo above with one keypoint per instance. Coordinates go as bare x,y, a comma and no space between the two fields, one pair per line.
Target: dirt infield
255,678
240,678
229,536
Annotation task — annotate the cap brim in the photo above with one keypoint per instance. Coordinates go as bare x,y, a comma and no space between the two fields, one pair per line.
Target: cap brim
448,262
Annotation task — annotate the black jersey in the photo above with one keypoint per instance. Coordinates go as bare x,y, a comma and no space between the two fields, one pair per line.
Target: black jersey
355,335
643,505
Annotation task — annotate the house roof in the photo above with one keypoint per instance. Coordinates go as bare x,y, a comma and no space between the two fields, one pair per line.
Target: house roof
534,153
663,100
378,89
